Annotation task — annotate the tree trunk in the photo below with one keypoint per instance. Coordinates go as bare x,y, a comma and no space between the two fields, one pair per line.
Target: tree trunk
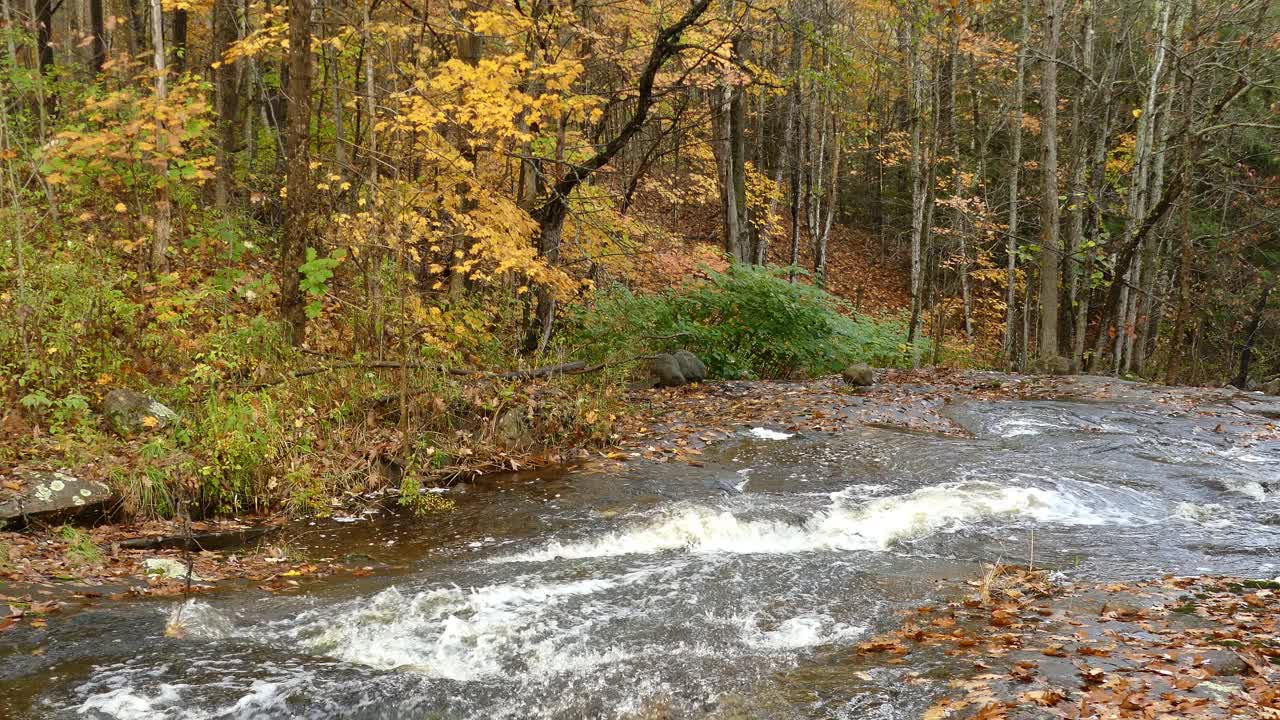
468,52
179,49
1049,248
918,190
293,246
551,214
1098,178
786,161
44,34
1250,335
1015,169
98,28
1126,272
227,97
738,165
824,233
163,217
1077,198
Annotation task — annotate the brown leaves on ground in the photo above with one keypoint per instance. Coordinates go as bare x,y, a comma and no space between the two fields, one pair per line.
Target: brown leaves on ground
39,574
1174,648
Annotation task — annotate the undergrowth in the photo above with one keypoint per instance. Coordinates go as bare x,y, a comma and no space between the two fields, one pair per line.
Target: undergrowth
746,322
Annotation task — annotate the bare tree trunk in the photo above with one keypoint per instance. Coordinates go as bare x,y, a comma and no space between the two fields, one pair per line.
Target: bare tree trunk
179,49
293,244
1127,273
919,190
797,172
1250,335
785,153
722,121
9,15
468,52
1172,371
824,234
1015,168
227,97
163,217
1077,199
1049,246
98,28
1098,178
551,214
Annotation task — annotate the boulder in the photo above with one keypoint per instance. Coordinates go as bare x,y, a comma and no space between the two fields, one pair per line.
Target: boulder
129,412
859,375
48,496
691,367
1272,387
666,371
511,429
1052,365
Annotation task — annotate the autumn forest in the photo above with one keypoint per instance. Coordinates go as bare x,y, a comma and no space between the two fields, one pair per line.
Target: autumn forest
326,230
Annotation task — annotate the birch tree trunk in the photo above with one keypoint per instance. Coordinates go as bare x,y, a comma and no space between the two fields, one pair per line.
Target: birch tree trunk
1137,201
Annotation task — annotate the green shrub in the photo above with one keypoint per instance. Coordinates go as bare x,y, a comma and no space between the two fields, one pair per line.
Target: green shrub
749,321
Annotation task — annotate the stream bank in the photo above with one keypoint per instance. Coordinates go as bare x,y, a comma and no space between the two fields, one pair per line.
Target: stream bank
755,554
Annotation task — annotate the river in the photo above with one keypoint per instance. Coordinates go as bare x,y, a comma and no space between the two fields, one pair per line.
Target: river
731,590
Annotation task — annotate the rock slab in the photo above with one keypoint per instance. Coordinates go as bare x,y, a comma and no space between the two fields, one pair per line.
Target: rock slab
43,494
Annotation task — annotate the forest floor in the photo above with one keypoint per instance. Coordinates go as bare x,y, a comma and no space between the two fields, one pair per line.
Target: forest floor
1172,647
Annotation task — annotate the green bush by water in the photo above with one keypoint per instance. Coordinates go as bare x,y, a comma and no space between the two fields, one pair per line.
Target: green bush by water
748,321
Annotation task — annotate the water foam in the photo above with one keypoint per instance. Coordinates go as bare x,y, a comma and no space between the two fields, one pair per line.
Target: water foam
1210,514
195,618
872,526
454,633
803,631
764,433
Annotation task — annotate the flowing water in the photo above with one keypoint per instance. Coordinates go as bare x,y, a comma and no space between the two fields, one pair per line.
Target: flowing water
732,590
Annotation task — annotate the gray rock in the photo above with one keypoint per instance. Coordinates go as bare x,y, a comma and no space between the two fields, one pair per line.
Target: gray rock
859,375
1052,365
129,412
170,568
690,366
47,494
511,429
1272,387
666,371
